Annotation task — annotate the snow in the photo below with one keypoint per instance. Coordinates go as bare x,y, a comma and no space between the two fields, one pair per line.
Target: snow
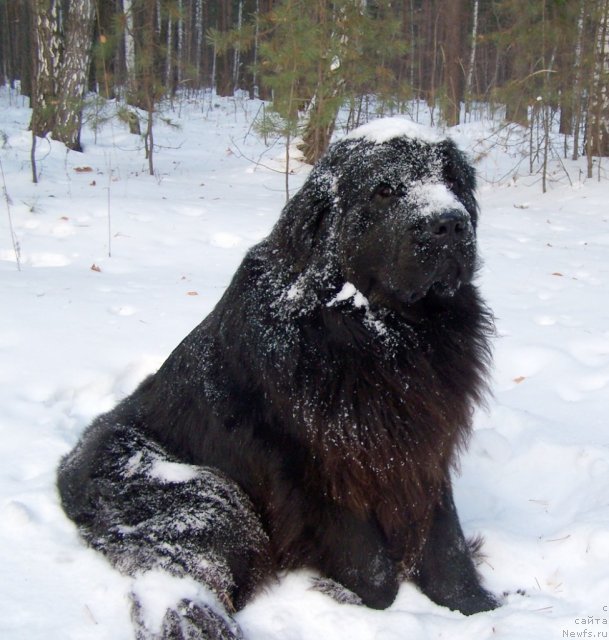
433,197
382,130
172,471
158,591
74,340
348,292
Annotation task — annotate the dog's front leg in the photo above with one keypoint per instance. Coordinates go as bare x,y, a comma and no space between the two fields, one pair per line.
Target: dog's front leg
447,573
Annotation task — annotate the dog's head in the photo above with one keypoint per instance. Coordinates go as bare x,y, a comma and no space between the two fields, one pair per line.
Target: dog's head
392,208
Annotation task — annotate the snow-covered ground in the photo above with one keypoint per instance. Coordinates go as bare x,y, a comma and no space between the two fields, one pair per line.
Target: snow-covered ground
79,329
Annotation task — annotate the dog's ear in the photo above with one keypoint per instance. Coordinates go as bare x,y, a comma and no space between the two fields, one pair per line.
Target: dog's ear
304,221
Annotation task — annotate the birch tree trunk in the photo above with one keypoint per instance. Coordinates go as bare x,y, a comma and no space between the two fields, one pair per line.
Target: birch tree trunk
199,31
255,88
72,80
577,106
169,56
47,36
469,81
180,52
597,143
147,46
63,49
130,50
237,58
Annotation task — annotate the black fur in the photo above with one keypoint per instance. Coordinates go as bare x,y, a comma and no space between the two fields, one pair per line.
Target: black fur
321,404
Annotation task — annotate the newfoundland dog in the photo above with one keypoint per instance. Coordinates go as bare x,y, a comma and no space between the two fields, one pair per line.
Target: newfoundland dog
313,418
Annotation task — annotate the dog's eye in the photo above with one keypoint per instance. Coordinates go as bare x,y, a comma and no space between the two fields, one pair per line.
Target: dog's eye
450,184
384,191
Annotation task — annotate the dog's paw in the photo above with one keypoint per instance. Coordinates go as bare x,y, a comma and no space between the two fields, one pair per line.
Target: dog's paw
188,620
335,590
194,621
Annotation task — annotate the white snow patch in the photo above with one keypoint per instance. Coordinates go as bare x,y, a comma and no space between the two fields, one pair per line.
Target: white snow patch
385,129
124,310
63,230
433,197
172,471
16,514
294,292
349,291
133,464
359,300
46,259
157,591
8,255
226,240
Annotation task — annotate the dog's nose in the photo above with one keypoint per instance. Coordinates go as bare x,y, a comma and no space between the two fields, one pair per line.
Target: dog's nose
452,225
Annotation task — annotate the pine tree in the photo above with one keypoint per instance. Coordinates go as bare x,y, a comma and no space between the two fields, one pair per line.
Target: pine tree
317,55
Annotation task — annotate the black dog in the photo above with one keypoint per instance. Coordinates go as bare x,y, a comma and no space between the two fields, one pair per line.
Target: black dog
312,419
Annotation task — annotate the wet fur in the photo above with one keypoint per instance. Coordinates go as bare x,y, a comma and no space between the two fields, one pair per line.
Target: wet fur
321,428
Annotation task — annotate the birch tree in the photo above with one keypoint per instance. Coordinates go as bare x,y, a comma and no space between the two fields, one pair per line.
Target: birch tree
73,72
47,37
237,57
199,30
255,88
597,143
169,53
63,52
129,40
469,80
180,51
576,106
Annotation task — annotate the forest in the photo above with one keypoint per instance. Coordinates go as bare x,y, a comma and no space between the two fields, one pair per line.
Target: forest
542,64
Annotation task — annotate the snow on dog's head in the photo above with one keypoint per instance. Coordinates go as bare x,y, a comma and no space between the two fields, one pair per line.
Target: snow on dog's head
384,129
391,210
